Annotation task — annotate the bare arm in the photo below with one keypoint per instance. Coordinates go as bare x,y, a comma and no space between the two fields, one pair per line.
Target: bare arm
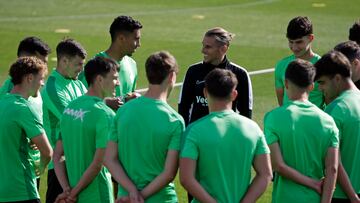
118,173
345,183
331,165
261,180
60,167
168,175
90,174
46,152
280,95
187,179
286,171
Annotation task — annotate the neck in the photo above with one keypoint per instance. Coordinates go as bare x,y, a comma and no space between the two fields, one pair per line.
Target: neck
95,92
347,84
219,105
114,52
217,62
157,92
299,96
308,55
21,90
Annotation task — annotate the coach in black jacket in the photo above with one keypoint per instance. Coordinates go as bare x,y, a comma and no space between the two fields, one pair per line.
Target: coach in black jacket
192,103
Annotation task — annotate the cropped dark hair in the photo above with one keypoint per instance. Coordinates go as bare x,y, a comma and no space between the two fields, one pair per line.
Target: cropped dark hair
299,27
159,65
350,49
220,82
70,48
98,66
301,73
333,63
32,45
123,24
24,66
354,32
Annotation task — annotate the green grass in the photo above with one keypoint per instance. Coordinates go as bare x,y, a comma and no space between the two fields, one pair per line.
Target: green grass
170,25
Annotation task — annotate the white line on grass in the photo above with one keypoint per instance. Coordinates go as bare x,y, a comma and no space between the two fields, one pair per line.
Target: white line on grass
257,72
139,13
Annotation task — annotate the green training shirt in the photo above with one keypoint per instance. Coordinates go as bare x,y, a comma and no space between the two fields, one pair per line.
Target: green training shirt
127,74
304,133
57,94
36,103
316,97
224,144
145,129
18,181
346,112
84,127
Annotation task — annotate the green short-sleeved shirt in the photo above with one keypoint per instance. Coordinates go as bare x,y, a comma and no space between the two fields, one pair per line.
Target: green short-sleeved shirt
84,127
127,74
56,95
316,97
304,133
224,145
36,103
145,129
18,181
346,112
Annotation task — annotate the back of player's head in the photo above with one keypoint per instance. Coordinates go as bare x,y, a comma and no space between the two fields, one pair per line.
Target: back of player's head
354,32
98,66
219,83
350,49
301,73
24,66
299,27
123,24
32,46
333,63
222,36
159,65
70,48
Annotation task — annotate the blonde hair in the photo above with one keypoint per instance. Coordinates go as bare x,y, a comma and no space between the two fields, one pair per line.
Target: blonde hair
221,35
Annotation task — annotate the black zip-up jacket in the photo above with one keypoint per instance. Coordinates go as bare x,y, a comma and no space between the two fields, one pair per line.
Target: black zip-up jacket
192,103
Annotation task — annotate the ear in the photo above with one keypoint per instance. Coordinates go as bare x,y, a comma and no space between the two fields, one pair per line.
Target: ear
310,87
172,77
311,37
205,92
224,48
234,94
29,77
337,78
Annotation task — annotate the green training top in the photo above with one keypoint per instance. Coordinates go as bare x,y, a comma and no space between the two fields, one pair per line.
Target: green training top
316,97
304,133
346,112
57,94
18,181
145,129
84,127
36,103
224,144
127,74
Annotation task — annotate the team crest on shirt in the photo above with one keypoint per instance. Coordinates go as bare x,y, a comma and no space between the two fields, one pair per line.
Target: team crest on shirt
77,114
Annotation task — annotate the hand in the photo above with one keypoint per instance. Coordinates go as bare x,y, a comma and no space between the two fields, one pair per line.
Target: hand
356,199
135,197
318,185
124,199
61,198
39,168
33,146
114,103
131,96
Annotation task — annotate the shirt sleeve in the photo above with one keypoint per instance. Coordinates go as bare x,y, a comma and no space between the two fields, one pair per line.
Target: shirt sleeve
278,75
30,123
113,133
176,136
186,97
244,100
103,127
190,149
270,129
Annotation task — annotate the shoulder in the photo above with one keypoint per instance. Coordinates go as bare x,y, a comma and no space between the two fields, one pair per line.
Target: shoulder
282,63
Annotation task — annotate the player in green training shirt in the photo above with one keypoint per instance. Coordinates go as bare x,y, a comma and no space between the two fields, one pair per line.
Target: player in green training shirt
125,39
352,51
300,36
333,73
31,46
19,127
303,141
61,87
84,129
142,154
221,148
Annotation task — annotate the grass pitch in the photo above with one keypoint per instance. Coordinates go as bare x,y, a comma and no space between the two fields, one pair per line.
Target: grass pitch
178,26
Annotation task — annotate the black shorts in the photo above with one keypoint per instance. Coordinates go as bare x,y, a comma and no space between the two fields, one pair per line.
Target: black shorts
54,187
